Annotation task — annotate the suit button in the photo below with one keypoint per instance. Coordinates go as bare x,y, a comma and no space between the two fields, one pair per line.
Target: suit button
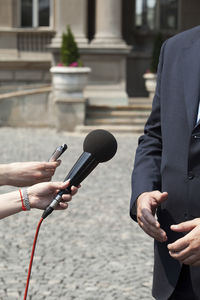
190,175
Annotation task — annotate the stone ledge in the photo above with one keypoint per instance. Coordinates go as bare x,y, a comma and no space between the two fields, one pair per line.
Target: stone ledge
25,93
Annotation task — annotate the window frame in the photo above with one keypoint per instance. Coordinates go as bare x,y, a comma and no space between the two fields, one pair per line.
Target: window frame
157,21
35,15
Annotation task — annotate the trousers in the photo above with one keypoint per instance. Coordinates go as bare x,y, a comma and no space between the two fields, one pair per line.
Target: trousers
184,289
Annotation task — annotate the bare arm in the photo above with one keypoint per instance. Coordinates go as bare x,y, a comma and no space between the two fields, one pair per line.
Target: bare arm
40,195
27,173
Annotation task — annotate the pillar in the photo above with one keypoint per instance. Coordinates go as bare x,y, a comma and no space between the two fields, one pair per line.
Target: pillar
108,24
106,56
73,13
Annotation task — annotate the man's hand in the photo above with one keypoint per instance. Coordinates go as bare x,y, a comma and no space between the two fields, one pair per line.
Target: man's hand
187,249
147,204
23,174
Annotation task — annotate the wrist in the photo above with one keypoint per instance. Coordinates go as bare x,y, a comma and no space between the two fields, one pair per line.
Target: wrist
140,197
31,197
4,174
24,199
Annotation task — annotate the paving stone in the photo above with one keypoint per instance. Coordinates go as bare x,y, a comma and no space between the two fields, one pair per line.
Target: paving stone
91,251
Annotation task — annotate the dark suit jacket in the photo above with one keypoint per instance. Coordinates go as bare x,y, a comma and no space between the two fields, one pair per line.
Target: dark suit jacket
168,154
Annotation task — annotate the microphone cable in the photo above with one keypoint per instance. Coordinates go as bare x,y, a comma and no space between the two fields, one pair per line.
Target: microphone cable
31,259
55,155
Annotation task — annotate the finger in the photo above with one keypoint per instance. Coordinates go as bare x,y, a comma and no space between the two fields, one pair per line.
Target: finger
62,205
62,185
156,232
159,197
74,190
39,175
196,263
181,255
66,198
147,215
192,260
179,245
185,226
152,235
51,164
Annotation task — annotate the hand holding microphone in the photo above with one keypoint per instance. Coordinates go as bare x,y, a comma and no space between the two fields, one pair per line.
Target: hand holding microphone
99,146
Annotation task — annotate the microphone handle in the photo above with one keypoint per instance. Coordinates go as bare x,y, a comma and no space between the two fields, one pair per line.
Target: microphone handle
55,202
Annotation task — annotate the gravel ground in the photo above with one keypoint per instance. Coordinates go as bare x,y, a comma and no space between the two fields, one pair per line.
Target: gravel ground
93,250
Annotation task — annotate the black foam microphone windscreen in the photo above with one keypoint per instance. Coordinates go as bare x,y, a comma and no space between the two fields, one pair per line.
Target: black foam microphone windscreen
101,144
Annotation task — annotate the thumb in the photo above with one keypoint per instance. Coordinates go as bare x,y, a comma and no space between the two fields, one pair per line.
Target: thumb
185,226
160,197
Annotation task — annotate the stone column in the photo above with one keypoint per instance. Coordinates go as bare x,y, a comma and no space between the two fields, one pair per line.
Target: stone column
71,13
108,24
106,56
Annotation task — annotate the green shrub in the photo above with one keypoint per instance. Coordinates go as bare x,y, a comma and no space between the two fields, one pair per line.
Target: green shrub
69,49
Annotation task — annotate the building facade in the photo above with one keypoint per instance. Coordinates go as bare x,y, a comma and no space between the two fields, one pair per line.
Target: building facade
115,38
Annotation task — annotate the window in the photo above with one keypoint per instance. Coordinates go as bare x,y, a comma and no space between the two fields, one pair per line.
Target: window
168,14
35,13
145,14
156,14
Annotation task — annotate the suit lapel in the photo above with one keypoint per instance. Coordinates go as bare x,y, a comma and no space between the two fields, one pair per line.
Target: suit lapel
191,75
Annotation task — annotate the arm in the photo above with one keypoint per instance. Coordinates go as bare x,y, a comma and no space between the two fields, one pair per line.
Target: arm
27,173
40,195
146,173
146,177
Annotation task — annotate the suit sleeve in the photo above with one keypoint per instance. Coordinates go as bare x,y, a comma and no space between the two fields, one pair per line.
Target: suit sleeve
146,173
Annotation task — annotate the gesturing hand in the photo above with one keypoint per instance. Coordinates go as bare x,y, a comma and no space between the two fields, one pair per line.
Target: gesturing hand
187,249
146,208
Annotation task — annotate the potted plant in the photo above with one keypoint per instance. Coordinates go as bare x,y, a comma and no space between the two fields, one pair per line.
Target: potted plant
151,75
69,79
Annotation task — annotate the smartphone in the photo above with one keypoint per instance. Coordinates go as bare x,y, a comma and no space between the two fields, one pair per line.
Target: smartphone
58,152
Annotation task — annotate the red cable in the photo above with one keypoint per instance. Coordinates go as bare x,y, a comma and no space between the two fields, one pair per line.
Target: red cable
31,260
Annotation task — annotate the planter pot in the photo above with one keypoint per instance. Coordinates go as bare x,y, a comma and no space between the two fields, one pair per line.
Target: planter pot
150,83
68,102
69,82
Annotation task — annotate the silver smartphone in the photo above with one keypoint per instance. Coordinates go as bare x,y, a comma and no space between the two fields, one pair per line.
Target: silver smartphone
58,152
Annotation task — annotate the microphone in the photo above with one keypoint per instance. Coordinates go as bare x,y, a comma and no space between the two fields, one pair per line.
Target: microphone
99,146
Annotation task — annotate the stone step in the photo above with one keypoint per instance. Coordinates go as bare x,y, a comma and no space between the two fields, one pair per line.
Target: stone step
140,101
116,113
121,119
133,107
112,128
116,121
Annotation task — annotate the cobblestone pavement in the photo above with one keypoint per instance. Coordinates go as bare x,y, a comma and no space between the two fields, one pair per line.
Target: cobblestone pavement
93,250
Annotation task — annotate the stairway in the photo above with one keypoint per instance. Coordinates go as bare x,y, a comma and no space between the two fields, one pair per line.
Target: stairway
118,119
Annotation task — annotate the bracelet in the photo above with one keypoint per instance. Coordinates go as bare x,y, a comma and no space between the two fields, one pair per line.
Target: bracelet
24,199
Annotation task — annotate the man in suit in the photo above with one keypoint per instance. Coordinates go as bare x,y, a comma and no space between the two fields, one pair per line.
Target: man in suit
166,175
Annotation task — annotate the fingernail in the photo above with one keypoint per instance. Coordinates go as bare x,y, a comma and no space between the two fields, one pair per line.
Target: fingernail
174,226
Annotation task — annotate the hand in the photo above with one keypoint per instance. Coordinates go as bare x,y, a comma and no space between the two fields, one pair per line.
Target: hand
187,249
147,204
23,174
41,194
